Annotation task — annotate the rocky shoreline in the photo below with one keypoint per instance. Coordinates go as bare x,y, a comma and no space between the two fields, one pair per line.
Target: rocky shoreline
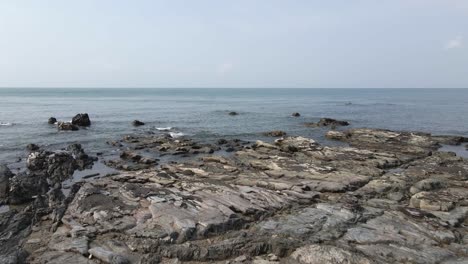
382,197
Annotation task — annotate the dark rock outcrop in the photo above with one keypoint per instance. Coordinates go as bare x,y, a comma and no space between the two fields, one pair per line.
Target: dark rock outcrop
137,123
52,120
295,114
233,113
5,175
81,120
24,187
327,122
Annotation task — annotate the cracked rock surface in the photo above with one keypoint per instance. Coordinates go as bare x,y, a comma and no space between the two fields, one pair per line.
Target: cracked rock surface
388,197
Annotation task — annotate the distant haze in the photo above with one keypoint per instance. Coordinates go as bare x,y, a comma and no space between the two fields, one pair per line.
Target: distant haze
242,43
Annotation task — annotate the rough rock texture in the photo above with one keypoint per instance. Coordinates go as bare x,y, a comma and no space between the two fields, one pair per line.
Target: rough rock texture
5,175
81,120
389,197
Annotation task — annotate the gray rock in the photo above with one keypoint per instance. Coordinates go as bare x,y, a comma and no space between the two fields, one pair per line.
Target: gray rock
81,120
137,123
5,175
66,126
52,120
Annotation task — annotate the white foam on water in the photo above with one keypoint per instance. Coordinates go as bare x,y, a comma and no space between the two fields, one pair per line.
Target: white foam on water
176,134
163,128
6,124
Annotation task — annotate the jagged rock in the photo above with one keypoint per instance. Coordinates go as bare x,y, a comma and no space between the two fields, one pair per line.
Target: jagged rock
137,123
385,197
52,120
81,120
66,126
5,175
24,188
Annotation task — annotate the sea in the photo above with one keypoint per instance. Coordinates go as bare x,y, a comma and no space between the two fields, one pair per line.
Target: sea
202,114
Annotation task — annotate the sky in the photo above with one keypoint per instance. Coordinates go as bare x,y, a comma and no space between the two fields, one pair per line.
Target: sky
238,43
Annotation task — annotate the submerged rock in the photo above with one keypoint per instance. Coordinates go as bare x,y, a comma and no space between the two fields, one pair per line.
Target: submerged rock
295,114
233,113
81,120
137,123
325,122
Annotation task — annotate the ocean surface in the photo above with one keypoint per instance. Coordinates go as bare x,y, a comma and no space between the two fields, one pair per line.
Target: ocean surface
203,113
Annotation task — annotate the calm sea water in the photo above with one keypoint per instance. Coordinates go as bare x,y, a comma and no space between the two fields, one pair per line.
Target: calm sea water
202,113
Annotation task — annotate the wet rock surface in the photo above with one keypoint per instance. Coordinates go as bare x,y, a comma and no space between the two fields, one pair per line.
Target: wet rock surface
81,120
388,197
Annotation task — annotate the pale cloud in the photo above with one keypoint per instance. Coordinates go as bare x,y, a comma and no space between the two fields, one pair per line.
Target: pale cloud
455,43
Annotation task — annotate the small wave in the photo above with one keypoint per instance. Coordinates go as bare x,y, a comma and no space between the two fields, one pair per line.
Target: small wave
163,128
176,134
6,124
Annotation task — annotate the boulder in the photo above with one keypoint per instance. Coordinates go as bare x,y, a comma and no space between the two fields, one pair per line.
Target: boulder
233,113
137,123
81,120
66,126
5,175
52,120
295,114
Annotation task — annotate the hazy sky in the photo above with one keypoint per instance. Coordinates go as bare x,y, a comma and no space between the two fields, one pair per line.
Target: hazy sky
237,43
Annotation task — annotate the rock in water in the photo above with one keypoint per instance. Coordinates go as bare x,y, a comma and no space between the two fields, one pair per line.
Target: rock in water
52,120
137,123
233,113
325,122
66,126
81,120
295,114
32,147
5,175
275,133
